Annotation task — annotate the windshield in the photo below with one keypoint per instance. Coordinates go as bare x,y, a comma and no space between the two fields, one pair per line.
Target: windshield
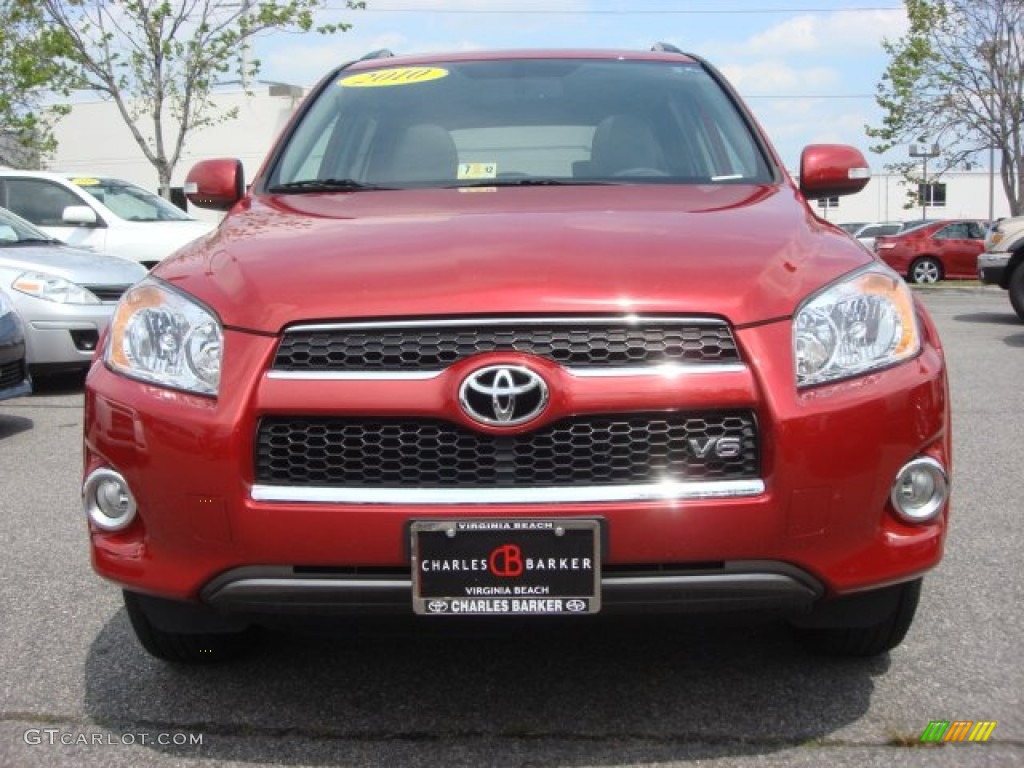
14,229
520,121
129,201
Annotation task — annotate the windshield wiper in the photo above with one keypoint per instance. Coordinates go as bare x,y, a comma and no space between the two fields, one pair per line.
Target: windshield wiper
30,241
323,185
538,181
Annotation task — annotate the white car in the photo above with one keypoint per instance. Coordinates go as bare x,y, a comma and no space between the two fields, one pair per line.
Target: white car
101,213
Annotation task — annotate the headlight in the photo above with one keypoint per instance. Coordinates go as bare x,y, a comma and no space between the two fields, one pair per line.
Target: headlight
162,336
53,288
864,322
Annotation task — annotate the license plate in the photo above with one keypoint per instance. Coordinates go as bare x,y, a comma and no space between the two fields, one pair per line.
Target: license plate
506,567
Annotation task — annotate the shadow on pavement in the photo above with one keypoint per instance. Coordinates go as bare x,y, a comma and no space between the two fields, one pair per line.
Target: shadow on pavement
499,694
12,425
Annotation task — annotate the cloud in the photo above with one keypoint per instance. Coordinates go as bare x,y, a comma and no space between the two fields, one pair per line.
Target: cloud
842,31
774,76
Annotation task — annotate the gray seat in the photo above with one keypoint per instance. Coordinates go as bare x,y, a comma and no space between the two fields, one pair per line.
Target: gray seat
623,143
423,152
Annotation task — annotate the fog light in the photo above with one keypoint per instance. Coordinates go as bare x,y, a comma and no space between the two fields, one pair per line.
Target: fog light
920,491
107,500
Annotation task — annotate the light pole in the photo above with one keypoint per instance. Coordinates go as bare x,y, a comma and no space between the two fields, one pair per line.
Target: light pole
924,151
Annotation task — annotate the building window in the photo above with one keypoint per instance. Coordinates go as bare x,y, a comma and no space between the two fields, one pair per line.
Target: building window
933,195
828,203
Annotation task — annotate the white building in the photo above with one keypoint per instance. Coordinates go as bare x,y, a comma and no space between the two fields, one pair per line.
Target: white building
93,139
954,195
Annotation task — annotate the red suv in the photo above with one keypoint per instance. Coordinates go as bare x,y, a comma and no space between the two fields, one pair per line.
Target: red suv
937,250
519,334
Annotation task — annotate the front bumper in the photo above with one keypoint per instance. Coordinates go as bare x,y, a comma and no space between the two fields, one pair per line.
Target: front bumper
992,268
62,335
820,523
736,586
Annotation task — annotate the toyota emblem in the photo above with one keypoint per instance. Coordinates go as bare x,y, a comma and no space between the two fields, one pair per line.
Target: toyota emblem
503,395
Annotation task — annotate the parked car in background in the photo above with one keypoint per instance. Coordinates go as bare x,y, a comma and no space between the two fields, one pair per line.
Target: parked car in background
852,226
65,296
869,232
1002,261
458,351
14,377
101,213
933,251
910,224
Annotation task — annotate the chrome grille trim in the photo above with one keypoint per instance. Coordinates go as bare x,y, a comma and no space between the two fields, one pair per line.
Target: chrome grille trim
353,375
474,322
427,346
666,370
668,491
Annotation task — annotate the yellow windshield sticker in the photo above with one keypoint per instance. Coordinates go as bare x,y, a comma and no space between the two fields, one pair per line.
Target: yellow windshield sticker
85,182
382,78
478,170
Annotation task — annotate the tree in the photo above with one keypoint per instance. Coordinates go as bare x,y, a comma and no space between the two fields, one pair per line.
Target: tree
158,60
29,70
955,79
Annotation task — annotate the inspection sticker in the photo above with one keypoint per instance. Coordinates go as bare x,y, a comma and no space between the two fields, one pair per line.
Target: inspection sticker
477,170
85,182
381,78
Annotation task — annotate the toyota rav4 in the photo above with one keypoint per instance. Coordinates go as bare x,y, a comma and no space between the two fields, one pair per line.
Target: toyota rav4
519,334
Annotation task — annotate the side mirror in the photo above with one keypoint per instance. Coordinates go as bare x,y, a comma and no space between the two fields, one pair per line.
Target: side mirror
832,170
79,215
216,184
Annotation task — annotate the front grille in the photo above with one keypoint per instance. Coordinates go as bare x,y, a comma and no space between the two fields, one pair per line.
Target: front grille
12,374
107,292
638,448
573,343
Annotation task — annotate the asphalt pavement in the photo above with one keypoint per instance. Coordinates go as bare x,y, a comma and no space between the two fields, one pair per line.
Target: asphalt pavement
77,690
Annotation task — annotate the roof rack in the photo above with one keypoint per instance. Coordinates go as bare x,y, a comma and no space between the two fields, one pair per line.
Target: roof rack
380,53
666,47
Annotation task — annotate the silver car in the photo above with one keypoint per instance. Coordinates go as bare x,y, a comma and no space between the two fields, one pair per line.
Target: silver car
65,296
14,379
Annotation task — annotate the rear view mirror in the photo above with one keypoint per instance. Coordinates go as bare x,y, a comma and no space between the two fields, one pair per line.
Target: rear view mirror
832,170
216,184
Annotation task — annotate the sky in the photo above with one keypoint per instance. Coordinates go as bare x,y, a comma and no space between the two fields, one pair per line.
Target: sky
807,68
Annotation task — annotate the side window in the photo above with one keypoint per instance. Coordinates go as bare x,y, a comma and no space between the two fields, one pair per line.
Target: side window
39,201
975,231
952,232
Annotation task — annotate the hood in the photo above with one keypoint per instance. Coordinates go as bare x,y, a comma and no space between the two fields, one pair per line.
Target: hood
75,264
747,253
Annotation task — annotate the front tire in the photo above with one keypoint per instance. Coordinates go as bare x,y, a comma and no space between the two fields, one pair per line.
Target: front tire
862,625
209,640
925,271
1016,289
